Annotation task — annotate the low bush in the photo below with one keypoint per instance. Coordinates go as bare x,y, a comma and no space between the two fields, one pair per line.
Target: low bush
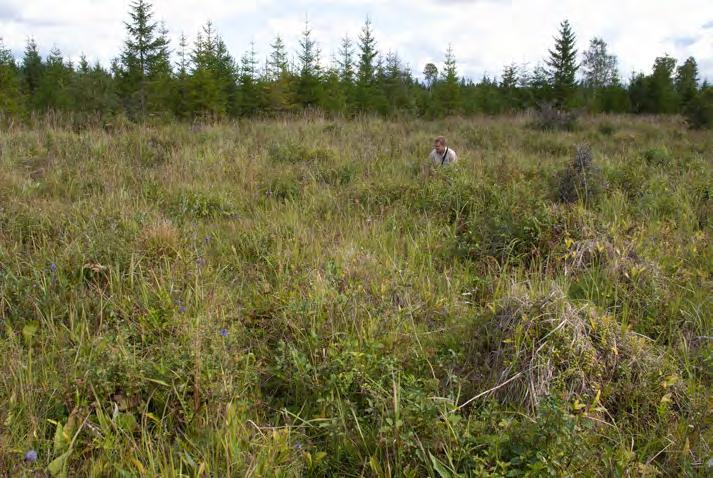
581,180
548,117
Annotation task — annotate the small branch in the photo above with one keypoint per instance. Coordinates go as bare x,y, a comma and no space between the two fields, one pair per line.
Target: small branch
487,392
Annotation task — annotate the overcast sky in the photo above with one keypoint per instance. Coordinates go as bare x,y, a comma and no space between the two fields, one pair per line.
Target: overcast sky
485,34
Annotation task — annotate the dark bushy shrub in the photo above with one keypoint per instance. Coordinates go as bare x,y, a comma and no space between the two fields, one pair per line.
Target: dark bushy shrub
581,179
699,113
551,118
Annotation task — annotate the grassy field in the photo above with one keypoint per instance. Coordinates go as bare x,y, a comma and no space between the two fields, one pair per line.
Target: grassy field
294,298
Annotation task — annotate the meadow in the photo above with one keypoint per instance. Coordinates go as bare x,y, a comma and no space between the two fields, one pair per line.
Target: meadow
307,297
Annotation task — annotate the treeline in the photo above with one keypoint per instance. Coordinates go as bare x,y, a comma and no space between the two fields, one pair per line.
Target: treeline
204,80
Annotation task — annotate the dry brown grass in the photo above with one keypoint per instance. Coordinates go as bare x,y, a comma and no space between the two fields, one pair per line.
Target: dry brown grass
160,239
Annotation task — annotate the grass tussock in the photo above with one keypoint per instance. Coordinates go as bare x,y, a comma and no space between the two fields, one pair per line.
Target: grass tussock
548,345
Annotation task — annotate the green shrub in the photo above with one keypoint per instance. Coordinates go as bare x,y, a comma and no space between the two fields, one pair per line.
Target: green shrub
289,152
283,185
660,157
606,129
200,205
508,225
699,112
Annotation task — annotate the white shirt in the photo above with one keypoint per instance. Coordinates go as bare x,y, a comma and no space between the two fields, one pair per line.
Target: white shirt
449,156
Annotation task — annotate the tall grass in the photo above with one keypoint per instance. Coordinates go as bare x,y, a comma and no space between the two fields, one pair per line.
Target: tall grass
290,298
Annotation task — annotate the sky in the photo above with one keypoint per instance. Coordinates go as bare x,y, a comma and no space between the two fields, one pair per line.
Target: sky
485,34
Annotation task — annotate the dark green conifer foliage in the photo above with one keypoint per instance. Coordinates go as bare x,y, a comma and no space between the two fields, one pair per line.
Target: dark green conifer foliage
32,71
144,66
687,82
562,64
11,100
365,94
308,87
54,92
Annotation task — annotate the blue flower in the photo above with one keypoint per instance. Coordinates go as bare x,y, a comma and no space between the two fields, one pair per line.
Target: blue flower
31,456
298,446
206,239
53,267
224,332
182,309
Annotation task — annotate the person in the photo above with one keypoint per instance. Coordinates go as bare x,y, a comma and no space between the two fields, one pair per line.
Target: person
442,154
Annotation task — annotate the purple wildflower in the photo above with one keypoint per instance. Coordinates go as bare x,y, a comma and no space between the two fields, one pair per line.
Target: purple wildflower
224,332
182,308
53,267
206,239
31,456
298,446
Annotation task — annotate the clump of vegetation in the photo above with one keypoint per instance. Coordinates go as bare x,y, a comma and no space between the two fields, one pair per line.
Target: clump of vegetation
160,239
292,152
549,117
200,205
606,129
581,180
283,185
660,157
547,345
508,230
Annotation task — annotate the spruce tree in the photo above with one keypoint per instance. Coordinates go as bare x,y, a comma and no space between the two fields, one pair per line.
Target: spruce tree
345,70
10,89
94,91
397,82
144,62
699,112
213,79
346,61
562,64
508,87
509,79
365,97
334,100
662,92
32,71
181,87
449,87
639,94
277,94
687,82
277,63
54,90
540,85
248,83
308,83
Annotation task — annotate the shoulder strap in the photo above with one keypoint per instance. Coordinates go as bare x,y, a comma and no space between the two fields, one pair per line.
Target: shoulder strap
443,158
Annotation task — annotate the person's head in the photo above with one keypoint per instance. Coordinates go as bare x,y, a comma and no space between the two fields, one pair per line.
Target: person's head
439,144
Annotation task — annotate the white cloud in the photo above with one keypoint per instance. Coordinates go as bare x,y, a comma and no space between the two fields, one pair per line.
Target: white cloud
485,34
